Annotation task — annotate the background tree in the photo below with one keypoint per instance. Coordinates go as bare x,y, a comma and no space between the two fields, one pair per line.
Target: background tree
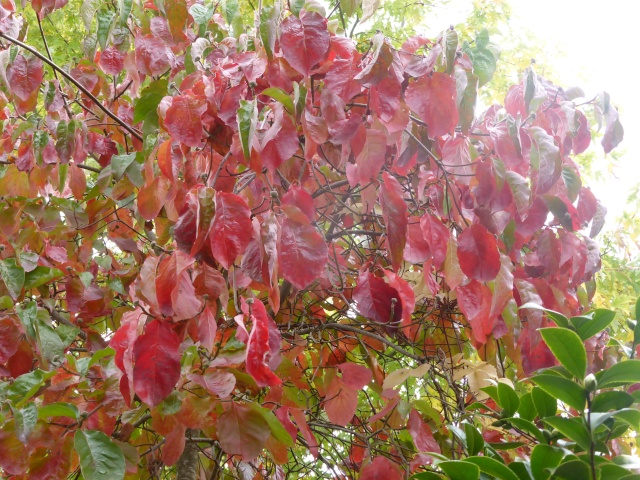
282,251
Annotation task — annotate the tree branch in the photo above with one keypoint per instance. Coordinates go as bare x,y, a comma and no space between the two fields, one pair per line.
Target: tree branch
78,85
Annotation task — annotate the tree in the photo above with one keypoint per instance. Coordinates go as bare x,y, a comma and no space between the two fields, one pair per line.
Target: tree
286,253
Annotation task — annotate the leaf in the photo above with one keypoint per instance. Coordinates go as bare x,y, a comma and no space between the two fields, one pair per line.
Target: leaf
277,429
492,467
247,117
149,100
242,431
207,329
156,369
258,348
281,96
355,376
184,119
377,300
398,377
508,399
611,400
563,389
372,156
381,468
544,459
302,252
572,428
421,434
572,470
341,402
231,229
478,253
100,458
304,41
622,373
600,319
546,405
394,213
24,76
13,277
560,319
58,409
545,158
433,99
460,470
105,19
568,348
25,421
151,197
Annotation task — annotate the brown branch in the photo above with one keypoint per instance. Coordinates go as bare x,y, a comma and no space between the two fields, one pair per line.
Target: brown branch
78,85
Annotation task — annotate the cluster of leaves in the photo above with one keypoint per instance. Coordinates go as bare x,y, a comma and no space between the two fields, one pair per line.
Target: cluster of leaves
278,252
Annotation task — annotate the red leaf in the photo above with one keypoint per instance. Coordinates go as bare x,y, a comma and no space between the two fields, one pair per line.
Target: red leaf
355,376
9,339
152,55
545,157
24,76
174,445
548,251
217,382
299,197
151,197
503,287
372,156
302,252
421,434
231,230
377,300
111,61
340,78
407,295
166,281
258,348
157,362
478,253
307,434
184,119
207,329
394,213
381,468
416,249
242,431
474,300
436,234
433,98
305,40
77,181
280,142
341,402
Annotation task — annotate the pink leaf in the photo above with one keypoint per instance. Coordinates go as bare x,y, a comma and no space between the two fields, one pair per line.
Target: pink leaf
341,402
421,434
394,213
381,468
355,376
217,382
184,119
24,76
377,300
242,431
305,40
207,329
258,347
478,253
433,98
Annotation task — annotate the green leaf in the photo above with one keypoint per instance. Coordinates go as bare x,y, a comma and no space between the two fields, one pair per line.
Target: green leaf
13,276
611,400
49,342
475,441
568,348
100,458
282,97
622,373
611,471
572,428
58,409
546,405
105,21
563,389
277,429
149,100
202,13
247,117
425,476
506,445
507,399
527,426
120,163
124,6
41,275
451,47
460,470
492,467
594,324
637,309
573,470
25,420
527,409
467,101
557,317
544,459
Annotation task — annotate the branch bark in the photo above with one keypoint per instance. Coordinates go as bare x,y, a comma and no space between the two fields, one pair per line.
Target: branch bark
187,466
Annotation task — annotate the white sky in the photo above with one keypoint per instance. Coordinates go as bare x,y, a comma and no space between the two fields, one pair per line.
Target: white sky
589,44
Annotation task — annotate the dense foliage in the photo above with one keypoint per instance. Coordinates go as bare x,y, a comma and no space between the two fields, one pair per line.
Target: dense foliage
238,252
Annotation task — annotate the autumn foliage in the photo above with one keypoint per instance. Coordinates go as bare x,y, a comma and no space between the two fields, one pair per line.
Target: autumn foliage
302,253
